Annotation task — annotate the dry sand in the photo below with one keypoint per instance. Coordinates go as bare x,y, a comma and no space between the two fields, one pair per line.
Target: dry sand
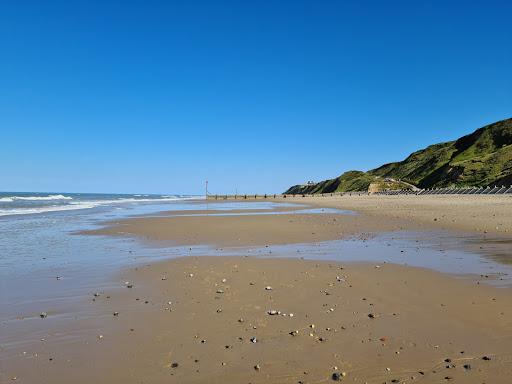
476,213
191,320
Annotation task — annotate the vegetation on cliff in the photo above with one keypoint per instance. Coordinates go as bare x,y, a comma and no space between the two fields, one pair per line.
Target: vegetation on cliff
481,158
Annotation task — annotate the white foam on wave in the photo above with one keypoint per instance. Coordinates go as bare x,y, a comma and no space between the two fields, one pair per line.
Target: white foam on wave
54,208
10,199
87,204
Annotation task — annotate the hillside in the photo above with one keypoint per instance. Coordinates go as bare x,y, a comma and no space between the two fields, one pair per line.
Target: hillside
481,158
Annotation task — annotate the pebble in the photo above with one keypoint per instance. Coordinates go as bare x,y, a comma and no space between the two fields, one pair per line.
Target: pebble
336,376
257,367
254,340
273,312
268,288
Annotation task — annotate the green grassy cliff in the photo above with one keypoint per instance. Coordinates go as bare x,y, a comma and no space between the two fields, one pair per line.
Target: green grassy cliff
481,158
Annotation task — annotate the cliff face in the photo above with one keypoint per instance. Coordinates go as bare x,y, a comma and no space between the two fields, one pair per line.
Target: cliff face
481,158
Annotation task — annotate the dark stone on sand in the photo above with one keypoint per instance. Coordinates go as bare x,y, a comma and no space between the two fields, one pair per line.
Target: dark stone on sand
336,376
174,365
486,358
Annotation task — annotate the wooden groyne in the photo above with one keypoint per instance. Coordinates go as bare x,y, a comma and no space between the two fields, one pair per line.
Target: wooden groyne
494,190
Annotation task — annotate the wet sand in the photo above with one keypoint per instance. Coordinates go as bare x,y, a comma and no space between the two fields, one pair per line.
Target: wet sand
250,229
209,320
222,319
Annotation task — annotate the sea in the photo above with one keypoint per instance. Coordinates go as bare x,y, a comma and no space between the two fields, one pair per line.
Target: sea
27,203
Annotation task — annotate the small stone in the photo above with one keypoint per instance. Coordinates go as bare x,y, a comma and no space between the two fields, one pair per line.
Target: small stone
467,366
268,288
294,333
43,315
257,367
116,313
273,312
371,316
224,280
336,376
254,340
220,291
174,365
486,358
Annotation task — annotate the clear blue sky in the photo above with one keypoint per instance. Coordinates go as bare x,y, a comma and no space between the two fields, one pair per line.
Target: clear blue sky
157,96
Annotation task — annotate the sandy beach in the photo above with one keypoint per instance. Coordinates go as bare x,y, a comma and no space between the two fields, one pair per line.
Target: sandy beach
240,319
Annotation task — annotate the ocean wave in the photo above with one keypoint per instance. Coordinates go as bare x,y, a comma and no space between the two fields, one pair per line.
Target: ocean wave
54,208
10,199
87,204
